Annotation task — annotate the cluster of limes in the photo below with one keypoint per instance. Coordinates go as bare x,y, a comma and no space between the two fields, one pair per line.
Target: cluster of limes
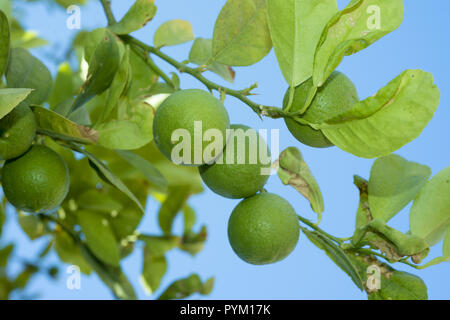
263,228
34,177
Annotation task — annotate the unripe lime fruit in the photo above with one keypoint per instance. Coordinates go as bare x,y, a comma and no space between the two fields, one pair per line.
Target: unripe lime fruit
242,171
17,131
337,95
263,229
183,112
38,181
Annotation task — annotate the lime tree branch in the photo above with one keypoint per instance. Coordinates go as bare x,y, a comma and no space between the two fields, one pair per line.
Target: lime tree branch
106,4
272,112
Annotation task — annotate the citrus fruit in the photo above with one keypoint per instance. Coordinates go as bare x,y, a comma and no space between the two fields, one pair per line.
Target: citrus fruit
239,175
337,95
182,119
263,229
17,131
38,181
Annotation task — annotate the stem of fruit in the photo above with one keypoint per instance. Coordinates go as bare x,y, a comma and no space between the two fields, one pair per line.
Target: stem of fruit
106,4
259,109
316,228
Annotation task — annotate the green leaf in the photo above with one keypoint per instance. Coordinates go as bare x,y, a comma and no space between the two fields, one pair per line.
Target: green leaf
159,245
173,32
131,131
56,126
356,27
2,214
183,288
10,98
118,86
32,225
64,87
192,242
174,203
69,252
382,124
152,272
241,33
336,254
140,13
5,252
126,222
142,77
145,167
446,244
384,283
393,243
430,213
295,27
67,3
106,174
103,66
294,171
189,218
26,71
393,183
5,41
201,55
98,201
99,236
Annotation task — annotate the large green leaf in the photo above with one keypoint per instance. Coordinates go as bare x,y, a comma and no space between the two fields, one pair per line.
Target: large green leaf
98,201
140,13
174,203
99,236
132,130
173,32
382,124
10,98
103,66
295,27
26,71
430,214
294,171
5,41
146,168
241,33
354,28
57,126
393,183
201,55
183,288
336,254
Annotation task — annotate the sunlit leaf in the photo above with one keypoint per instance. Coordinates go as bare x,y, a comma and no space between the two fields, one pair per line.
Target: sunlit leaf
140,13
393,183
430,214
173,32
295,27
356,27
393,117
294,171
26,71
241,33
10,98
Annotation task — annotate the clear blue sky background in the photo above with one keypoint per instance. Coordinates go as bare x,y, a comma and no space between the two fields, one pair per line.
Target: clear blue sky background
421,42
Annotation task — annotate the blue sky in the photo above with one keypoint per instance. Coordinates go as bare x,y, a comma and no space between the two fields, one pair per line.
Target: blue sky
421,42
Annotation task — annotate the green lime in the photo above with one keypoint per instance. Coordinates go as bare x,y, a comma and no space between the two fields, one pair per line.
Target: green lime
263,229
17,131
337,95
182,120
242,172
38,181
